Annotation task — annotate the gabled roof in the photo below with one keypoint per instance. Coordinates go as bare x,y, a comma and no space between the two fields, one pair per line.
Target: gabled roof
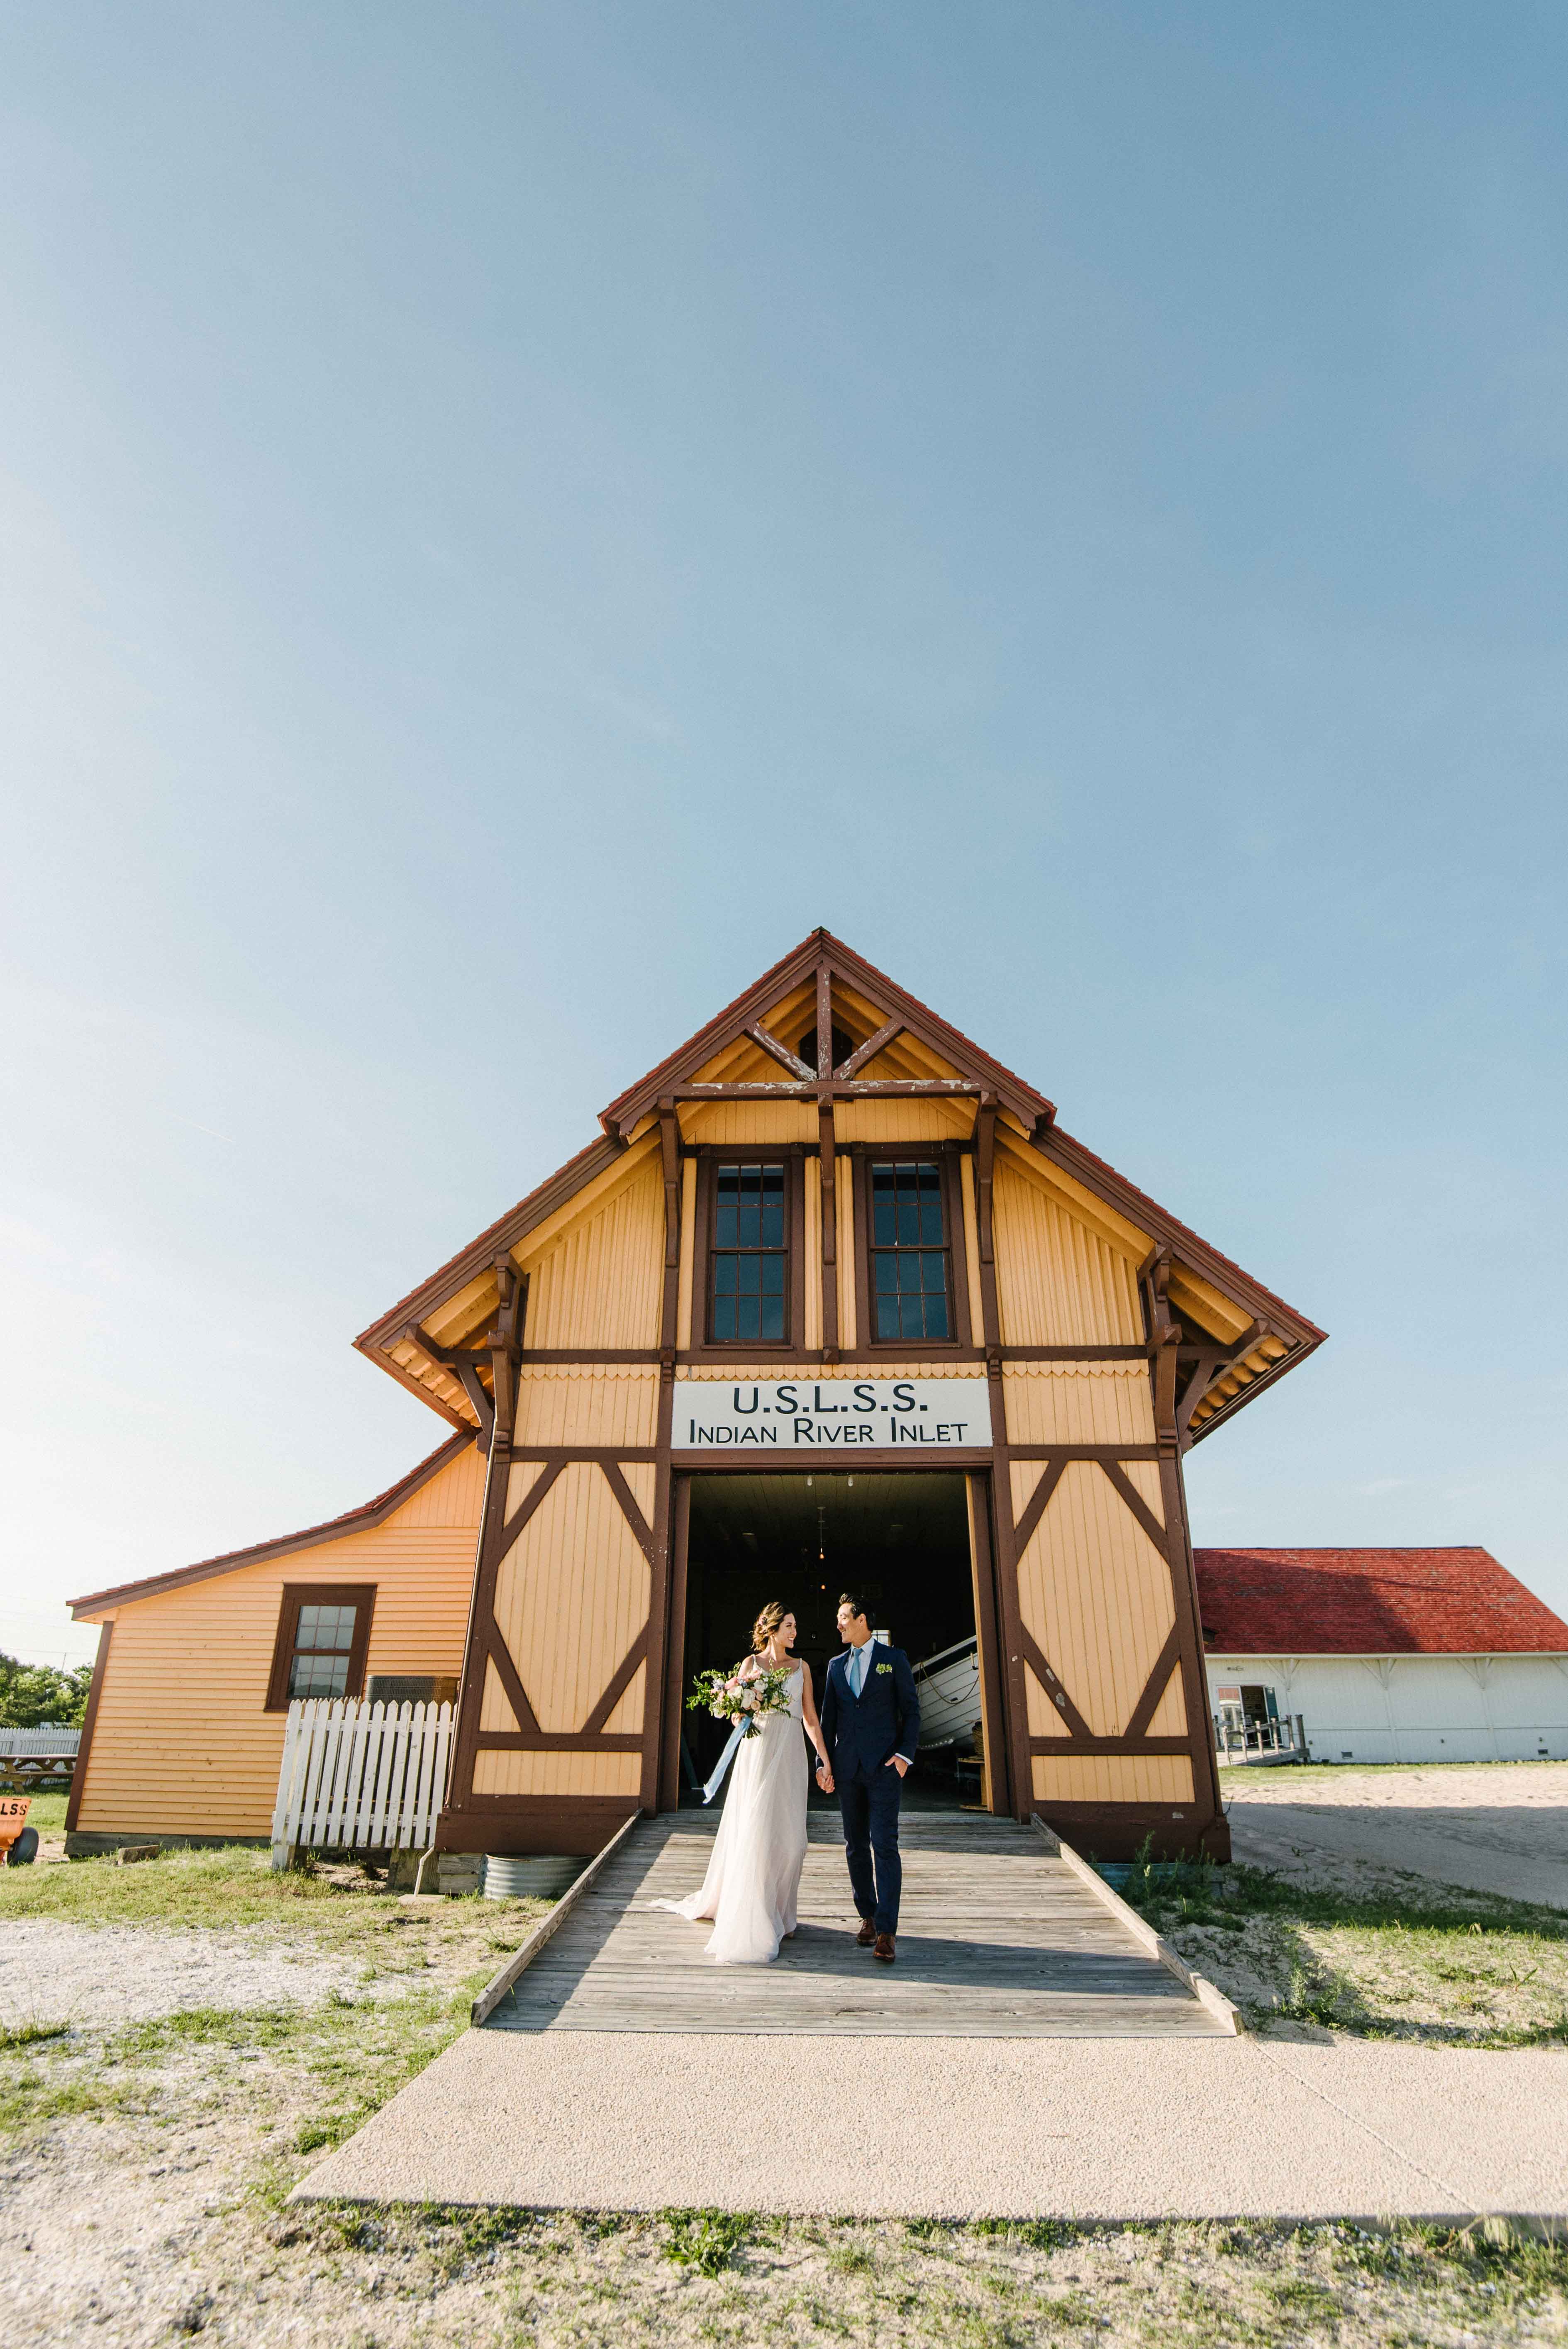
900,1045
352,1521
1032,1109
1369,1602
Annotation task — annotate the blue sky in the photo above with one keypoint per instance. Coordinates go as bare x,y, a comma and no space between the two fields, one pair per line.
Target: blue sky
509,515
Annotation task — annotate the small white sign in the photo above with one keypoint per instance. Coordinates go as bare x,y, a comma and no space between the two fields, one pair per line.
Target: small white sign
831,1415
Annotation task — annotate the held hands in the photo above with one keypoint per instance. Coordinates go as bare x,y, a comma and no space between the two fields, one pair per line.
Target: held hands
825,1777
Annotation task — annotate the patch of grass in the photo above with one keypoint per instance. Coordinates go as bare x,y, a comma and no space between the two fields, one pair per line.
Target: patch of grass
28,2035
706,2239
49,1814
236,1885
239,2026
1205,1892
1040,2234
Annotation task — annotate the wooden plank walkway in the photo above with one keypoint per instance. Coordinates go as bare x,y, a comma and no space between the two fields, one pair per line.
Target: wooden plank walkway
997,1939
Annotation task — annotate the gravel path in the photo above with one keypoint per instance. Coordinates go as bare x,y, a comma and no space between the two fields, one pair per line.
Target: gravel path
111,1974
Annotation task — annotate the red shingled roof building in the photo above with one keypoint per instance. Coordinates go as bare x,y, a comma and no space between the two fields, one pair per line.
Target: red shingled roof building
1382,1655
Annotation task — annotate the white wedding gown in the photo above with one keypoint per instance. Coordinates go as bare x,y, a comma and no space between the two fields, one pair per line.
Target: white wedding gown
754,1872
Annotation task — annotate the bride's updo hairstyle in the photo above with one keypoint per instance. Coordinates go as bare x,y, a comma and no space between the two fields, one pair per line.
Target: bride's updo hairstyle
767,1623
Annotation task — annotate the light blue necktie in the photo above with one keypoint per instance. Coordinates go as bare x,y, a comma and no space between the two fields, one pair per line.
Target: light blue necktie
858,1666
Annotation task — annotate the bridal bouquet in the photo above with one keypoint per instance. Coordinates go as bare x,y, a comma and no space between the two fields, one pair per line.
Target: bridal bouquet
729,1699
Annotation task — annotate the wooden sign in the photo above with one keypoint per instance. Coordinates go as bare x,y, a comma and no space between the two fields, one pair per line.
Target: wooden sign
832,1415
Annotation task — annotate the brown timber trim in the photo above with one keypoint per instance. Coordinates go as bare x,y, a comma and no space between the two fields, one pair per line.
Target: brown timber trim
1188,1638
557,1456
561,1741
1158,1534
824,1020
416,1386
1116,1830
510,1679
765,1353
1148,1705
829,1461
1080,1735
1123,1745
649,1354
511,1526
629,1509
1101,1452
657,1629
1021,1778
993,1704
849,1070
360,1595
881,1089
1266,1377
1075,1353
90,1722
674,1652
826,1156
1174,1540
574,1825
1039,1503
780,1053
984,1163
799,967
481,1640
960,1347
703,1348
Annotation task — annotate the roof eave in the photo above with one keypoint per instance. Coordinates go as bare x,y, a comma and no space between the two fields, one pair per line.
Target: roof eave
364,1519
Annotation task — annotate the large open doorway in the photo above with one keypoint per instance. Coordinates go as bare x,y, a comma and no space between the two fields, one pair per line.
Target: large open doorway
904,1538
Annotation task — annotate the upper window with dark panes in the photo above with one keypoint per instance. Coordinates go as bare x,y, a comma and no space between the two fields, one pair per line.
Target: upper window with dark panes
748,1254
324,1640
910,1284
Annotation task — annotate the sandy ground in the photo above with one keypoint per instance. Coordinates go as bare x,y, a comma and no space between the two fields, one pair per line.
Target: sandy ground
51,1971
1494,1827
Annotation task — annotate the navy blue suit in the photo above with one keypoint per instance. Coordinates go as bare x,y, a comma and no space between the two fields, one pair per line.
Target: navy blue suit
862,1735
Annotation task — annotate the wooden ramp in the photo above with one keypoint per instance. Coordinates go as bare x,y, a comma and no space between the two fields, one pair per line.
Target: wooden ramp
997,1939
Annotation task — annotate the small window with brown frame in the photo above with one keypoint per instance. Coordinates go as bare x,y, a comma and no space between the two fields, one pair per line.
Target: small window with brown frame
915,1294
323,1636
748,1252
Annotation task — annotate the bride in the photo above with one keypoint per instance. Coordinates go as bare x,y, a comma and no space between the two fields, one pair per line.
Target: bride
754,1873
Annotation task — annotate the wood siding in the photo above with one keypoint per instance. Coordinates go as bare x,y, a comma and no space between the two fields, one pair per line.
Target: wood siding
1112,1779
598,1284
597,1403
1078,1402
1058,1281
182,1745
1094,1593
572,1595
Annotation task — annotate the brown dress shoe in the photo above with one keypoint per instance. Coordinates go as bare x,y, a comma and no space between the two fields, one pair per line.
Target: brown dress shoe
867,1933
884,1949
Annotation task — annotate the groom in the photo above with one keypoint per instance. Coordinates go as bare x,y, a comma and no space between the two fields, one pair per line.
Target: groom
871,1726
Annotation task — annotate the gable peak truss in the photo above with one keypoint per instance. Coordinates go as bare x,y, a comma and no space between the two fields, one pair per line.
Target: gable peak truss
818,1019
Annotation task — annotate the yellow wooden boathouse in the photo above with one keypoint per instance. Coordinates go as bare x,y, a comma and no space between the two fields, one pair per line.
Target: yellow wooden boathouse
831,1298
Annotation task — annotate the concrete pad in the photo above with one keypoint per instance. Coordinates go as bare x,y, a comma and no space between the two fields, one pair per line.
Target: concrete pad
1519,1853
958,2128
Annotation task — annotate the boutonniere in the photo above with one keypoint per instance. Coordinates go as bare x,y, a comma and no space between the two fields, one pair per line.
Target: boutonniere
884,1668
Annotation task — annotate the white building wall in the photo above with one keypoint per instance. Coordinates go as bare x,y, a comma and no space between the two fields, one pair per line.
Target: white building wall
1415,1708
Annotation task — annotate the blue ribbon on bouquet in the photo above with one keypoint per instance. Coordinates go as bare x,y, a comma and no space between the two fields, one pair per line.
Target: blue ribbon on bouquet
724,1759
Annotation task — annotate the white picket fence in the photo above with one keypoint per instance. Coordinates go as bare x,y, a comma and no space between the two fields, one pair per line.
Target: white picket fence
360,1777
40,1741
